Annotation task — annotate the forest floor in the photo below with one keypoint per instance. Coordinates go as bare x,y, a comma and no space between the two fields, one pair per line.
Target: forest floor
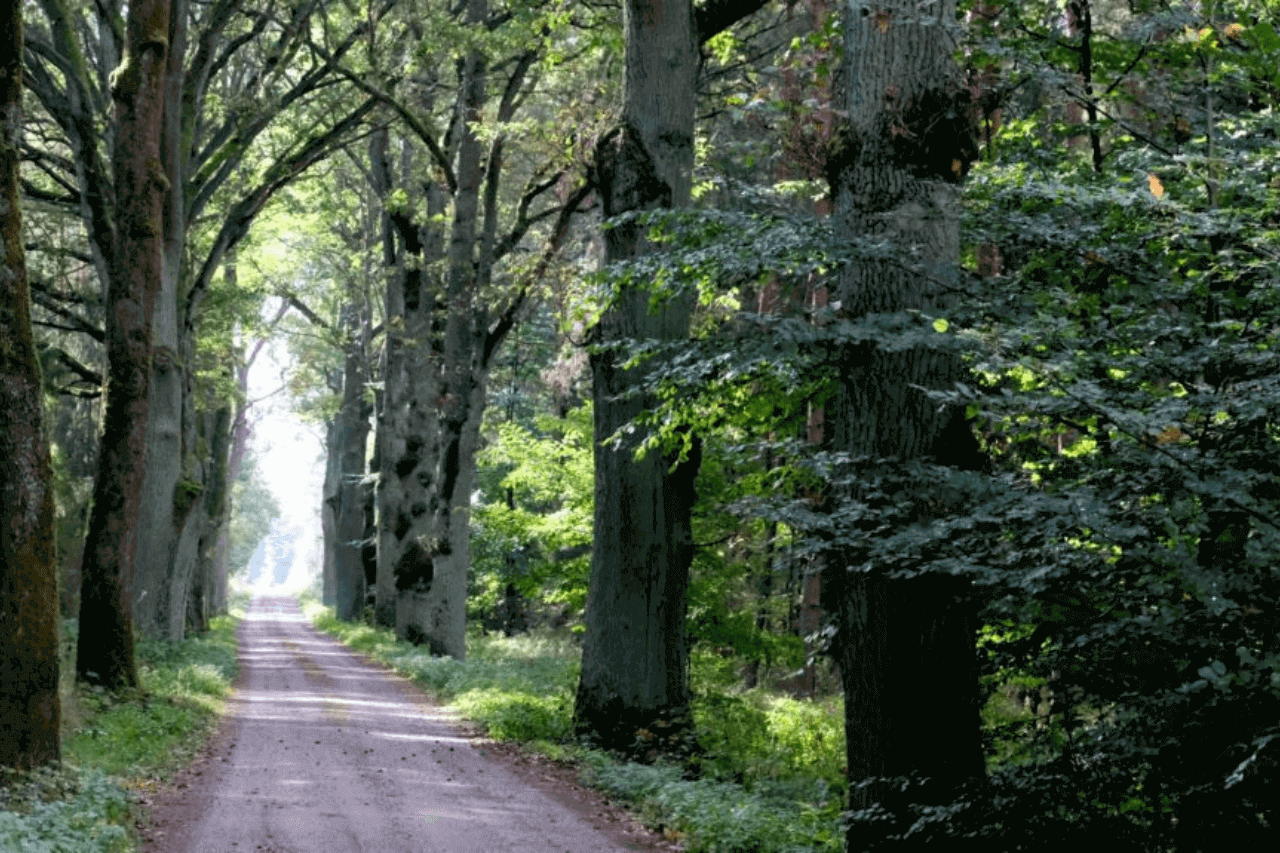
322,751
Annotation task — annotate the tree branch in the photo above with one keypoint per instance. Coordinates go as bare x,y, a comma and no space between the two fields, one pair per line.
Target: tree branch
507,318
47,300
280,174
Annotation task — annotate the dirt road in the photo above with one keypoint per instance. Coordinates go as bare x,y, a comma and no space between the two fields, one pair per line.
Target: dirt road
322,752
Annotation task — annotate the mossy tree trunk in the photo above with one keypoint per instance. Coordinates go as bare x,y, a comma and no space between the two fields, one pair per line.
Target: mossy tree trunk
105,645
30,712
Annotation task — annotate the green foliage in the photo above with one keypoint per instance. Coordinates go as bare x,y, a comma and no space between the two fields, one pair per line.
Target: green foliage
1123,364
513,715
88,816
532,527
723,817
754,738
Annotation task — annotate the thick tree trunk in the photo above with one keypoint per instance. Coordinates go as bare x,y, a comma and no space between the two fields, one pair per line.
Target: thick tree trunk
30,712
431,573
409,422
331,498
329,511
105,644
634,658
209,519
166,551
391,412
905,647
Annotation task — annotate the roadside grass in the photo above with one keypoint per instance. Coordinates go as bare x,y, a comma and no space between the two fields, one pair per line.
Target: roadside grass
770,779
118,746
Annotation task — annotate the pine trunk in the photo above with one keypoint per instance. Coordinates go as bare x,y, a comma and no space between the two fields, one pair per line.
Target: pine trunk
634,660
905,647
105,644
30,712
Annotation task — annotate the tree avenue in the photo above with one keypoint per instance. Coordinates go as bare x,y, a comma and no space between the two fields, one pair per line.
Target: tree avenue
865,412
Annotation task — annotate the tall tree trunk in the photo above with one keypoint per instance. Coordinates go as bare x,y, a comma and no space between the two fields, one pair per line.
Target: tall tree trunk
30,712
409,421
210,517
905,647
389,430
166,550
431,573
105,644
634,658
349,515
329,511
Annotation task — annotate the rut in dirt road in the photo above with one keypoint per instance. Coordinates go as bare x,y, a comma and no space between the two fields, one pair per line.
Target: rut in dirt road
322,753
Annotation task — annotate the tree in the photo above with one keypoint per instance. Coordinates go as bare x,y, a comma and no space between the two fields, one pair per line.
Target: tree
201,152
452,297
634,657
906,142
104,652
30,711
350,435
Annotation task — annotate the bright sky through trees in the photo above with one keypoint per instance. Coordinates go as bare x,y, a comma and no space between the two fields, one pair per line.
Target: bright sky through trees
290,457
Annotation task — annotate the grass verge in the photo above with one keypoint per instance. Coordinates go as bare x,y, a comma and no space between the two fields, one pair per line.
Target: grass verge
118,746
771,779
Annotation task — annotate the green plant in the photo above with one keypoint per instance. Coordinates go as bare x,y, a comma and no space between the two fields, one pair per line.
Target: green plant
89,820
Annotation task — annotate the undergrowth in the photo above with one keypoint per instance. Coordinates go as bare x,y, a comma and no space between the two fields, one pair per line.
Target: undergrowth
117,744
770,778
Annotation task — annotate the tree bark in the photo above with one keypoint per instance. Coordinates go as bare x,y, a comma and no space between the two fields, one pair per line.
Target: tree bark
329,512
408,425
105,645
905,647
634,659
431,572
30,711
349,515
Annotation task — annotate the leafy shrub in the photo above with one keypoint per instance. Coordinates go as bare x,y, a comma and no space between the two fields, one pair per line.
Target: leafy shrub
808,737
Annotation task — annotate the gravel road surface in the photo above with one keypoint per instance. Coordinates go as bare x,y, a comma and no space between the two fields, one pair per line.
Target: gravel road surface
323,752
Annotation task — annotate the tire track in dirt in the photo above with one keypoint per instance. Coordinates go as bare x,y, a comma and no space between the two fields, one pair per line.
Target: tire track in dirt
322,752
